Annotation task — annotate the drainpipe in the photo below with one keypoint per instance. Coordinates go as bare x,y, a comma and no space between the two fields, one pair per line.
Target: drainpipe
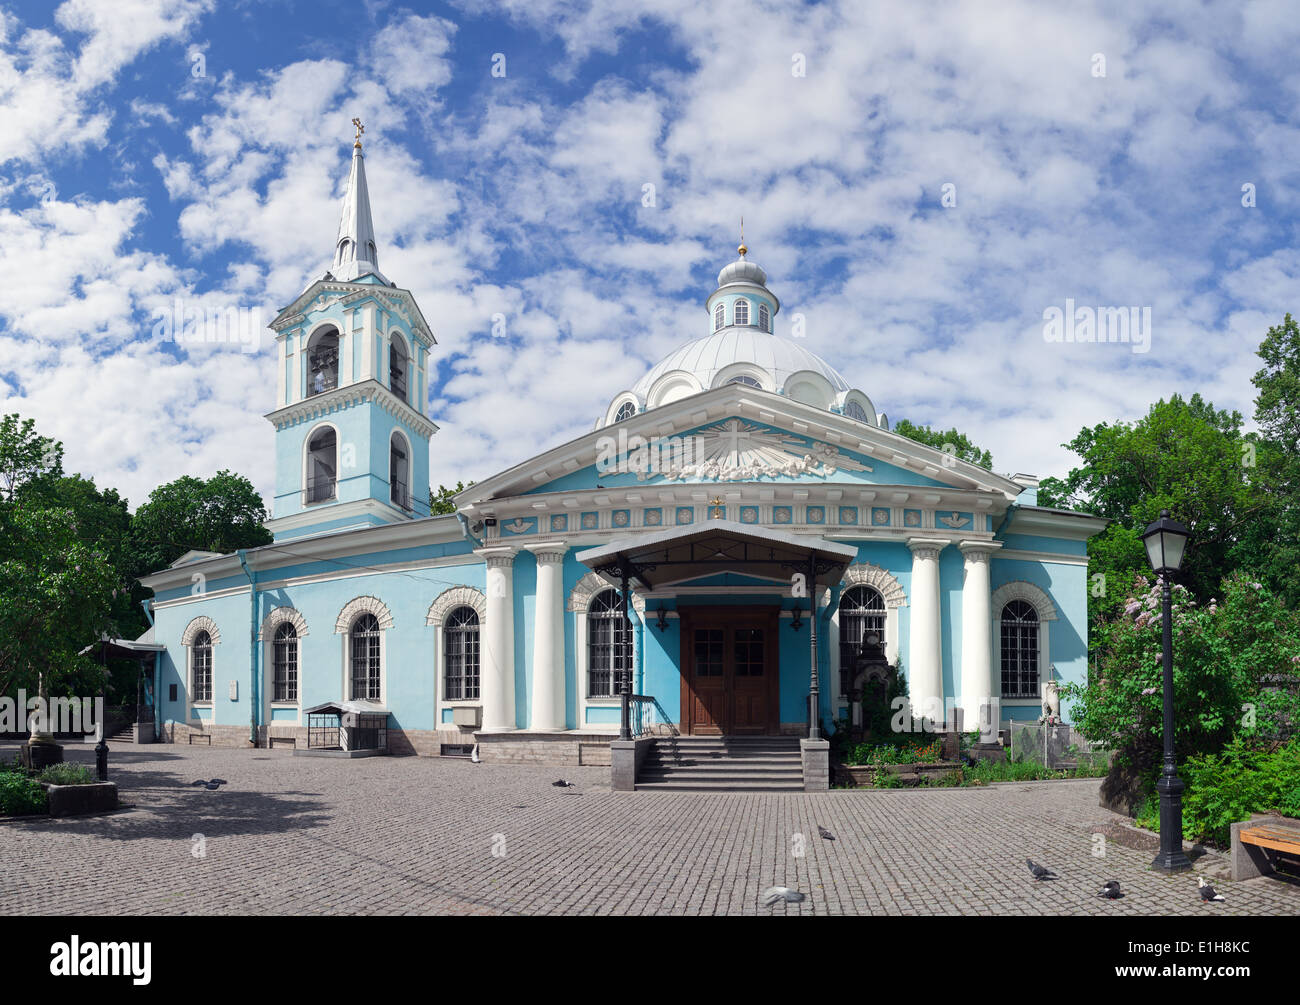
157,679
255,704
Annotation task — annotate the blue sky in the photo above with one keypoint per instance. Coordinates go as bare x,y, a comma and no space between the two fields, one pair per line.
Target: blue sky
127,179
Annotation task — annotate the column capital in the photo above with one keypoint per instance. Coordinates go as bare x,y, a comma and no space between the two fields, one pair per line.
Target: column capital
497,557
549,552
926,547
979,551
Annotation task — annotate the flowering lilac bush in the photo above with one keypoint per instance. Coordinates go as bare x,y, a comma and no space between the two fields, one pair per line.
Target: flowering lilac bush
1235,661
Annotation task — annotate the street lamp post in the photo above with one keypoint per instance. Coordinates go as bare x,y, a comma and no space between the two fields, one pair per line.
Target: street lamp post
1165,542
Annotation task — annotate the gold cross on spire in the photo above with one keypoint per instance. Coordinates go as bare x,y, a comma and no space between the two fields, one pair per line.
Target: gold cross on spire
742,249
360,129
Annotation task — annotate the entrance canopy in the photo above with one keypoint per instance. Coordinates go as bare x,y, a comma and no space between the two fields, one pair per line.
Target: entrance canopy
681,553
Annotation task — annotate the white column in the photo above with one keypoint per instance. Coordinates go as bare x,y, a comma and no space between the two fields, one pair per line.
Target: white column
976,634
497,660
925,674
548,710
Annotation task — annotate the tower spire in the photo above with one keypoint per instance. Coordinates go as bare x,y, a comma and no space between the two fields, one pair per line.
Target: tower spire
355,251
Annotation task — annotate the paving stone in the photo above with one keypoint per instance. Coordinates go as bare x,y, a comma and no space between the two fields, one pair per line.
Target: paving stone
297,835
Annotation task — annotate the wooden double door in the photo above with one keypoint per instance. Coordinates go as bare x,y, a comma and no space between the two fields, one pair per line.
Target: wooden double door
730,671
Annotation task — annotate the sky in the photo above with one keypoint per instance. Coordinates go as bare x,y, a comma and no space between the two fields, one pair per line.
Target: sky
923,183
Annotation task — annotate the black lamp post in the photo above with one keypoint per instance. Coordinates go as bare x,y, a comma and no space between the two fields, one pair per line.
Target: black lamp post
1165,542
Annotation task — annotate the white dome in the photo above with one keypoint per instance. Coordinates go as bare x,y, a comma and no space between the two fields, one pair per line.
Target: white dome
742,271
707,357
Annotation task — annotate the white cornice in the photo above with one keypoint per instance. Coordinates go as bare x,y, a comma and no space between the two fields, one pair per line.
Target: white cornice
320,405
390,297
315,547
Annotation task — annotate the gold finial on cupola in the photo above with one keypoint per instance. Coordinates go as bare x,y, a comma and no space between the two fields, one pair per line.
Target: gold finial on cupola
360,129
742,249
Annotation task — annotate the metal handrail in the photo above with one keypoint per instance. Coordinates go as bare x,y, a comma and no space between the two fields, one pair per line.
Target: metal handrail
634,727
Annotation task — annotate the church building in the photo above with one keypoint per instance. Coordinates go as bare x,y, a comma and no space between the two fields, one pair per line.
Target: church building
722,541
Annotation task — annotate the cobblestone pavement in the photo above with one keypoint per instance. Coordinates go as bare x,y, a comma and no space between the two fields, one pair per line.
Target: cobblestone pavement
297,835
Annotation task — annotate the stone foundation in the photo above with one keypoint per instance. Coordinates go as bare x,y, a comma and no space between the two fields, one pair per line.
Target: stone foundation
523,747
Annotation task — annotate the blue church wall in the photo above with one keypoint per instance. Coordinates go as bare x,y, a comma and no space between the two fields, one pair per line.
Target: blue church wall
1067,586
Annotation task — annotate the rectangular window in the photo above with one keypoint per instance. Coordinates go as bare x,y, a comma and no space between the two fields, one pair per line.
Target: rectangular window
462,666
1019,660
285,672
365,667
202,673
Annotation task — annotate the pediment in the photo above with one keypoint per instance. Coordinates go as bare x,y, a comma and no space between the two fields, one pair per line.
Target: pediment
732,435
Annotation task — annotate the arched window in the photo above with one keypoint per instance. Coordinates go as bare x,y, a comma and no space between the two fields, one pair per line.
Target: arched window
609,647
719,316
397,366
284,663
323,362
855,411
462,668
862,610
764,318
364,635
201,667
399,472
625,411
322,465
747,380
740,312
1019,650
346,249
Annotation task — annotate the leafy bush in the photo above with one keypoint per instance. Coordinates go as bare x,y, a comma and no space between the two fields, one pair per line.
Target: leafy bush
1227,657
68,773
906,752
20,794
1229,786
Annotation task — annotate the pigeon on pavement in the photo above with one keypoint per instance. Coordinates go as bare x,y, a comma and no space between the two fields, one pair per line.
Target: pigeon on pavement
1111,890
775,894
562,784
826,835
1208,892
1040,872
215,783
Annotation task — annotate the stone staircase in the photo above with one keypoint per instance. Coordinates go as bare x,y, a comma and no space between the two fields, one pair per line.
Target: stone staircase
722,764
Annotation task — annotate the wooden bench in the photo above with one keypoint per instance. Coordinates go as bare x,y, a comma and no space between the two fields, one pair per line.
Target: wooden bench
201,736
1257,842
272,740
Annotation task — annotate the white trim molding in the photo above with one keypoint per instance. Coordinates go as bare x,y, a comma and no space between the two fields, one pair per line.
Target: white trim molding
202,623
1018,589
356,606
277,617
453,597
866,574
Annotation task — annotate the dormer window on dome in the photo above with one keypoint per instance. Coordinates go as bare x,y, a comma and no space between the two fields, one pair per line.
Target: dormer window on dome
855,411
747,380
625,411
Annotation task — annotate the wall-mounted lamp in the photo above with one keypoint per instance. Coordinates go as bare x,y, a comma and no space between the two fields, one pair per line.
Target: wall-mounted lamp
662,621
797,622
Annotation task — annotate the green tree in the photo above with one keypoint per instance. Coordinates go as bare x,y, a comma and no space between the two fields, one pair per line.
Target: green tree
949,441
1271,545
223,514
25,456
1184,456
56,597
441,502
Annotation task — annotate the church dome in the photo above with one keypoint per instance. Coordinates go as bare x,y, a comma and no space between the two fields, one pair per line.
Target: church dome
718,354
743,349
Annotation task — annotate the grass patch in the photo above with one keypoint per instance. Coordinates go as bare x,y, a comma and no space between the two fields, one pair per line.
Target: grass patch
68,773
